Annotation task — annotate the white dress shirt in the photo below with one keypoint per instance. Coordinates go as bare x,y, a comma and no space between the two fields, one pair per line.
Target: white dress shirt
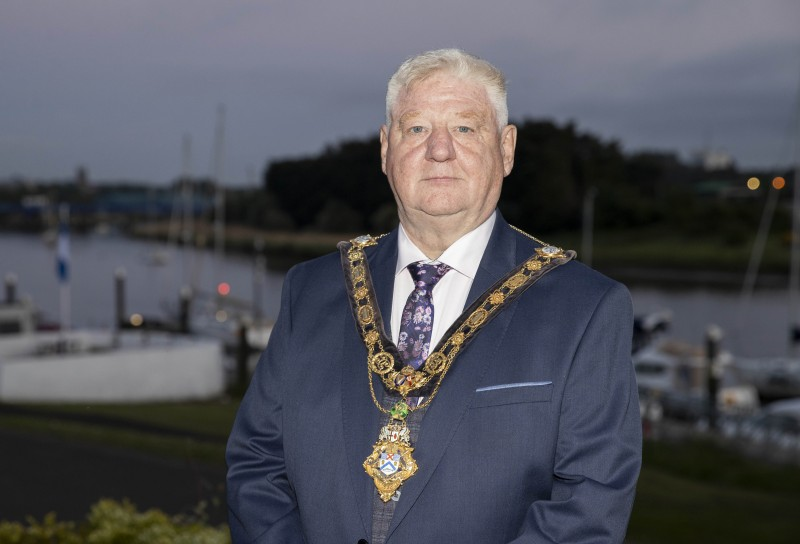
450,294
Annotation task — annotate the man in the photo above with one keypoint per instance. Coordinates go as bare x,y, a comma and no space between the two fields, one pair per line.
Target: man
516,421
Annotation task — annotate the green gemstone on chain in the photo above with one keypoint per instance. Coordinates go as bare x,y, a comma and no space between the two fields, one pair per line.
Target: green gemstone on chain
399,410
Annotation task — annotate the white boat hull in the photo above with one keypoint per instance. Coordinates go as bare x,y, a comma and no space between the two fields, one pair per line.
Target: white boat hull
140,367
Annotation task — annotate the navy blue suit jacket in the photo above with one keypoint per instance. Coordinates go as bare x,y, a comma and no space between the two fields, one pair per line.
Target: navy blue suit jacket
534,436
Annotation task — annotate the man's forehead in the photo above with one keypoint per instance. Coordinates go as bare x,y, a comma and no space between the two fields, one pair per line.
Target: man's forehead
466,115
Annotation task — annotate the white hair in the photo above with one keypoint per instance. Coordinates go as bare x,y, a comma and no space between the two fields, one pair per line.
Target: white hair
458,63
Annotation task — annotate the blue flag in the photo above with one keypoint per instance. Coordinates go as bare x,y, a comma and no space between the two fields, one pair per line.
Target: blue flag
62,253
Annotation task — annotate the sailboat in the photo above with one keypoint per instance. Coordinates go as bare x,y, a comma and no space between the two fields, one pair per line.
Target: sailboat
216,313
778,376
114,364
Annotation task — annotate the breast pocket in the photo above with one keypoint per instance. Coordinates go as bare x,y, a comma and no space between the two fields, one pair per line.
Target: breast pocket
513,393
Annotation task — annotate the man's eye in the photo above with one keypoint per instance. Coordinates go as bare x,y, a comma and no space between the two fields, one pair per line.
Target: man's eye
415,130
464,129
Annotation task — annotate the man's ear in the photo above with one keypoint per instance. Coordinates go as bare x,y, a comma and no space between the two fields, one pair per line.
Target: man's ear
384,135
508,143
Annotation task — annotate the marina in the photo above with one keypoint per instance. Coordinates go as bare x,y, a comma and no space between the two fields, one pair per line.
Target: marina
128,302
155,274
127,340
153,288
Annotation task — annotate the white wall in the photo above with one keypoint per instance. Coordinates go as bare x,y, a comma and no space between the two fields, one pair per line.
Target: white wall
185,370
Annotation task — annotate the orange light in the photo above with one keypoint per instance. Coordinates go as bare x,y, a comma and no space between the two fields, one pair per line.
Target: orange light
224,288
137,320
753,184
778,183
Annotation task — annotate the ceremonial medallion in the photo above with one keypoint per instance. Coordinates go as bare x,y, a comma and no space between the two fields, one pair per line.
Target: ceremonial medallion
550,252
390,463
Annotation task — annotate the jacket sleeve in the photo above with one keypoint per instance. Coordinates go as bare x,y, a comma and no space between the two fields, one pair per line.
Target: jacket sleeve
262,507
598,454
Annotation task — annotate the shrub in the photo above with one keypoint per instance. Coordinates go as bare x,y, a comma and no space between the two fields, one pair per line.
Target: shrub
113,522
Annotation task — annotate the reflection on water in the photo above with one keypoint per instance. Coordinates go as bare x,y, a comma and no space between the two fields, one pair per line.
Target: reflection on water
760,328
155,275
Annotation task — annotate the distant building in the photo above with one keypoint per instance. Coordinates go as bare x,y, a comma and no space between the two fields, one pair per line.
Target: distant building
726,189
712,160
82,179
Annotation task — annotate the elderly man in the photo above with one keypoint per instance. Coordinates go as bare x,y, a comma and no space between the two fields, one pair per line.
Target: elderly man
494,403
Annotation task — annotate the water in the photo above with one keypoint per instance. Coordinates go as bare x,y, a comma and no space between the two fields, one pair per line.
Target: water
761,328
151,289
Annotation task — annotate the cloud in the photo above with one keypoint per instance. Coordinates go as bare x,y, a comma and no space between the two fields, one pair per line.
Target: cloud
115,86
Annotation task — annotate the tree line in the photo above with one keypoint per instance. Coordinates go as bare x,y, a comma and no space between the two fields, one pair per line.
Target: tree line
557,168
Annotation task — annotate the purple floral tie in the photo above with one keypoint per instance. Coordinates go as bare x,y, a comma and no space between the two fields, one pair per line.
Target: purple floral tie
416,324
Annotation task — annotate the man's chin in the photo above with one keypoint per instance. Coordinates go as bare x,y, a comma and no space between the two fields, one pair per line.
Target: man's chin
442,212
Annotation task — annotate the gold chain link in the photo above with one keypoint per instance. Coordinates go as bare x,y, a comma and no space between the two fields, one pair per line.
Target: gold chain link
451,346
531,236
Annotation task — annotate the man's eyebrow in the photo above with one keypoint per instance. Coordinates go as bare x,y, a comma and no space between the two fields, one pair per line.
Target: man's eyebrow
472,116
408,116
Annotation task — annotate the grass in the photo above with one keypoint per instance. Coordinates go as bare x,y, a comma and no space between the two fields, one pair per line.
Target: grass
296,244
195,431
689,491
696,491
212,418
658,247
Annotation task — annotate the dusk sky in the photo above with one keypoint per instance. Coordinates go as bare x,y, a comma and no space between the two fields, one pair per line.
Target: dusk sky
115,85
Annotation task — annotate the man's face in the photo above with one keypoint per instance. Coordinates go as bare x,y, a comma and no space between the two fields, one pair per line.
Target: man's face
443,153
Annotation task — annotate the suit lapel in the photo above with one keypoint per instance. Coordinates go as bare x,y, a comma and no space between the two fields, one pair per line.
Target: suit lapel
455,395
360,418
498,259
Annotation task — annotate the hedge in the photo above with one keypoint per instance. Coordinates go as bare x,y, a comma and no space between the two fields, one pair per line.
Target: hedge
114,522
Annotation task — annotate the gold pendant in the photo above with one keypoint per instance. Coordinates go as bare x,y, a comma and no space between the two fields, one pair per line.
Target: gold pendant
390,463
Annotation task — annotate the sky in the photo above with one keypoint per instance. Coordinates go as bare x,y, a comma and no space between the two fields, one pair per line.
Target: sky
133,89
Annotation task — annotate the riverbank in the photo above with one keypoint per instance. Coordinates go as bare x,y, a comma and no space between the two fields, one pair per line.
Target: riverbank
641,257
290,245
692,489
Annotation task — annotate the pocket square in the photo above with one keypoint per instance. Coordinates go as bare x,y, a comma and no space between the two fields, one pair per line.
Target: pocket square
512,393
511,386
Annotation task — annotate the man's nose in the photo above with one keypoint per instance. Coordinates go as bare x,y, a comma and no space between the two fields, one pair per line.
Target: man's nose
440,146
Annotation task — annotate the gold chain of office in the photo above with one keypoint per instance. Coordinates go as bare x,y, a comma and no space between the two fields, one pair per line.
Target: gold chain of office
404,378
391,462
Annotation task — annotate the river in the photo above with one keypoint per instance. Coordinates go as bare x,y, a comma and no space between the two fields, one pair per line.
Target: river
760,328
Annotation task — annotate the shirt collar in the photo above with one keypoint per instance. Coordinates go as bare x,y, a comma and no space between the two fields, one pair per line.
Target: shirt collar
463,256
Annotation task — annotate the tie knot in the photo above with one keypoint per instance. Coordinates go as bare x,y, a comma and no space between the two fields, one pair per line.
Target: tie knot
427,275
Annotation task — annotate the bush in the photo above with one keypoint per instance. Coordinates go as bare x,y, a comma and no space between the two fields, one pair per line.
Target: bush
112,522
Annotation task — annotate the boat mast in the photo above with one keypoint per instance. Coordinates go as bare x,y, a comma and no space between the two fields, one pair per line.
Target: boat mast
219,194
187,201
756,255
794,262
